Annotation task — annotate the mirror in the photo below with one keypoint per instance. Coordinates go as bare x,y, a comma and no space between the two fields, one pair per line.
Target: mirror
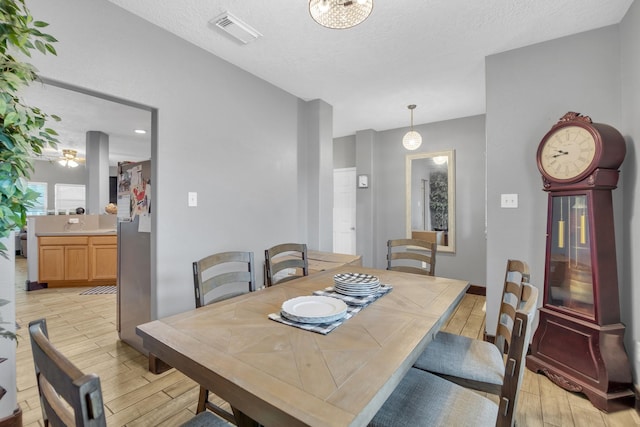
431,203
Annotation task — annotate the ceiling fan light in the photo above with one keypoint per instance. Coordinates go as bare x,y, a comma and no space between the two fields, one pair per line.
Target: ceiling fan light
62,162
72,163
340,14
412,140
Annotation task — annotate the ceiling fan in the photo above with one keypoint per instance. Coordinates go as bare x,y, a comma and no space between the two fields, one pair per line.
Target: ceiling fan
69,158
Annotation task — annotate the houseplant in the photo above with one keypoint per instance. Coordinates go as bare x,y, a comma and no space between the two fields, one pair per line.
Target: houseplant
23,134
22,128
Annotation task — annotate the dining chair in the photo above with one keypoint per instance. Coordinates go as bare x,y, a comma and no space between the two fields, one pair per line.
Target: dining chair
425,399
475,363
285,262
68,397
223,275
412,256
215,278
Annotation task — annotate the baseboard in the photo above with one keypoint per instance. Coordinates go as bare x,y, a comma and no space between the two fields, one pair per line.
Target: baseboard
34,286
13,420
488,338
477,290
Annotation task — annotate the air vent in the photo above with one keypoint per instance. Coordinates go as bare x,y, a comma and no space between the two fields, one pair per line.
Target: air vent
235,28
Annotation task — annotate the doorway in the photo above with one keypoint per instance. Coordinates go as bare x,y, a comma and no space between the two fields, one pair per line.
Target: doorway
344,211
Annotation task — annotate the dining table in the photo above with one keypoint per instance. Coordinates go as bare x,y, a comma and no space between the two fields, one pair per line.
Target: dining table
275,374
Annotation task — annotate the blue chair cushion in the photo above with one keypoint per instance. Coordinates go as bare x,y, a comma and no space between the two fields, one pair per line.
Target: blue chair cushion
424,399
463,357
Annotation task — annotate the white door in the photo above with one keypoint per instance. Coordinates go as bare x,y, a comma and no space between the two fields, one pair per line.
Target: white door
344,211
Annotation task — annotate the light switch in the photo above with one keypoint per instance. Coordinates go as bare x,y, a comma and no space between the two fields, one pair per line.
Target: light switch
193,199
508,200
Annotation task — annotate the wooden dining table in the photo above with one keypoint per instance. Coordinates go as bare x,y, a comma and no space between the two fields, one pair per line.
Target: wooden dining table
279,375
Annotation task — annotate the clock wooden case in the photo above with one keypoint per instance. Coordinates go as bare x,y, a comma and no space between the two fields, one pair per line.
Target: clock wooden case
579,341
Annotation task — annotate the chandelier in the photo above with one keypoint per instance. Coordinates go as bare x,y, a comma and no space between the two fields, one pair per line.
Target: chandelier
69,158
412,139
340,14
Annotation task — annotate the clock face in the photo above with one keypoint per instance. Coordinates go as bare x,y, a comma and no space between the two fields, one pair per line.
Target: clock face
567,152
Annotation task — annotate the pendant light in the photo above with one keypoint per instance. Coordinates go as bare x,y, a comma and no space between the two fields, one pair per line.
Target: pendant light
412,139
340,14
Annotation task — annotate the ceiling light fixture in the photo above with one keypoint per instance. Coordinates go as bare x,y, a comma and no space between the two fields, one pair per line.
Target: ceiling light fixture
340,14
412,139
68,159
140,131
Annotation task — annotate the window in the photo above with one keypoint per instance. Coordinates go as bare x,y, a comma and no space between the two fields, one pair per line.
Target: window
40,204
69,197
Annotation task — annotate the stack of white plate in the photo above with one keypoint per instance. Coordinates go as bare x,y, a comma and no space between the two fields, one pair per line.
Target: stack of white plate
356,284
314,309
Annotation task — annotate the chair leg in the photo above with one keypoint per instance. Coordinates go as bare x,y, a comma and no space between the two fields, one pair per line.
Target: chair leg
202,399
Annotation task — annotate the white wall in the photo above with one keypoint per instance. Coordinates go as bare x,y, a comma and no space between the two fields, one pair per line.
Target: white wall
222,132
629,292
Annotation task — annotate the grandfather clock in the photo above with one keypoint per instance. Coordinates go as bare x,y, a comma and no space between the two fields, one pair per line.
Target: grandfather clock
579,341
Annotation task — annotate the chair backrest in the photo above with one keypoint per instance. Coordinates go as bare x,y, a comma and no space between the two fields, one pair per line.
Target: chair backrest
402,253
291,257
68,397
223,275
517,273
514,370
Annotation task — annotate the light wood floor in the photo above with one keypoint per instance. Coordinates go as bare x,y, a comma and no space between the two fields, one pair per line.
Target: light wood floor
83,327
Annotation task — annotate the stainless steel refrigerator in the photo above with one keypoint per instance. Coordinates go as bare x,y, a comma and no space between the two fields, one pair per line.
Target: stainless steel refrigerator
134,250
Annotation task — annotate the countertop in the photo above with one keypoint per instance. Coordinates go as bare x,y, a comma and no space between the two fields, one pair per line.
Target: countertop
96,232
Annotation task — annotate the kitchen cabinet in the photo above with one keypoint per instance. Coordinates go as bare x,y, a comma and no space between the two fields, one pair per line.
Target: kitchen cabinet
77,260
103,253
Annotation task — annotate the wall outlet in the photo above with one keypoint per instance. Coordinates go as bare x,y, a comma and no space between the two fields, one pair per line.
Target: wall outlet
508,200
73,220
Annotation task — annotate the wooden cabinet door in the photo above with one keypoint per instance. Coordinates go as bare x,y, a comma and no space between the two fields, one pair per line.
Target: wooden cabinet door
51,263
76,262
104,262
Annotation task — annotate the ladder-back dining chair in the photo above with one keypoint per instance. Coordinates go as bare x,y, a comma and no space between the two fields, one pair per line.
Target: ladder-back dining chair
285,262
216,278
223,275
425,399
69,397
412,256
475,363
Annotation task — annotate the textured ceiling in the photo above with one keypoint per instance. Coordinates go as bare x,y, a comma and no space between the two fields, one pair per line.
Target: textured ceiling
425,52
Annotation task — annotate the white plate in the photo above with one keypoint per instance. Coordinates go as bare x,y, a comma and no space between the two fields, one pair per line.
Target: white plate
314,309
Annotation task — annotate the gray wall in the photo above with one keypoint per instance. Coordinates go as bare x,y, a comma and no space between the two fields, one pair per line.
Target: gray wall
52,173
222,132
344,152
630,296
528,90
382,208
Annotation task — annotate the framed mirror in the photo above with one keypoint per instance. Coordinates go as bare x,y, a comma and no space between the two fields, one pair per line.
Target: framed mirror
431,201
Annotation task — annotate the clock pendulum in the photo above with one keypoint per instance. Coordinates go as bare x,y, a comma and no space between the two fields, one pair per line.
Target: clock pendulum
579,340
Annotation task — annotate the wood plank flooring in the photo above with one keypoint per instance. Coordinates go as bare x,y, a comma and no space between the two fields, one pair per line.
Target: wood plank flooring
84,328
